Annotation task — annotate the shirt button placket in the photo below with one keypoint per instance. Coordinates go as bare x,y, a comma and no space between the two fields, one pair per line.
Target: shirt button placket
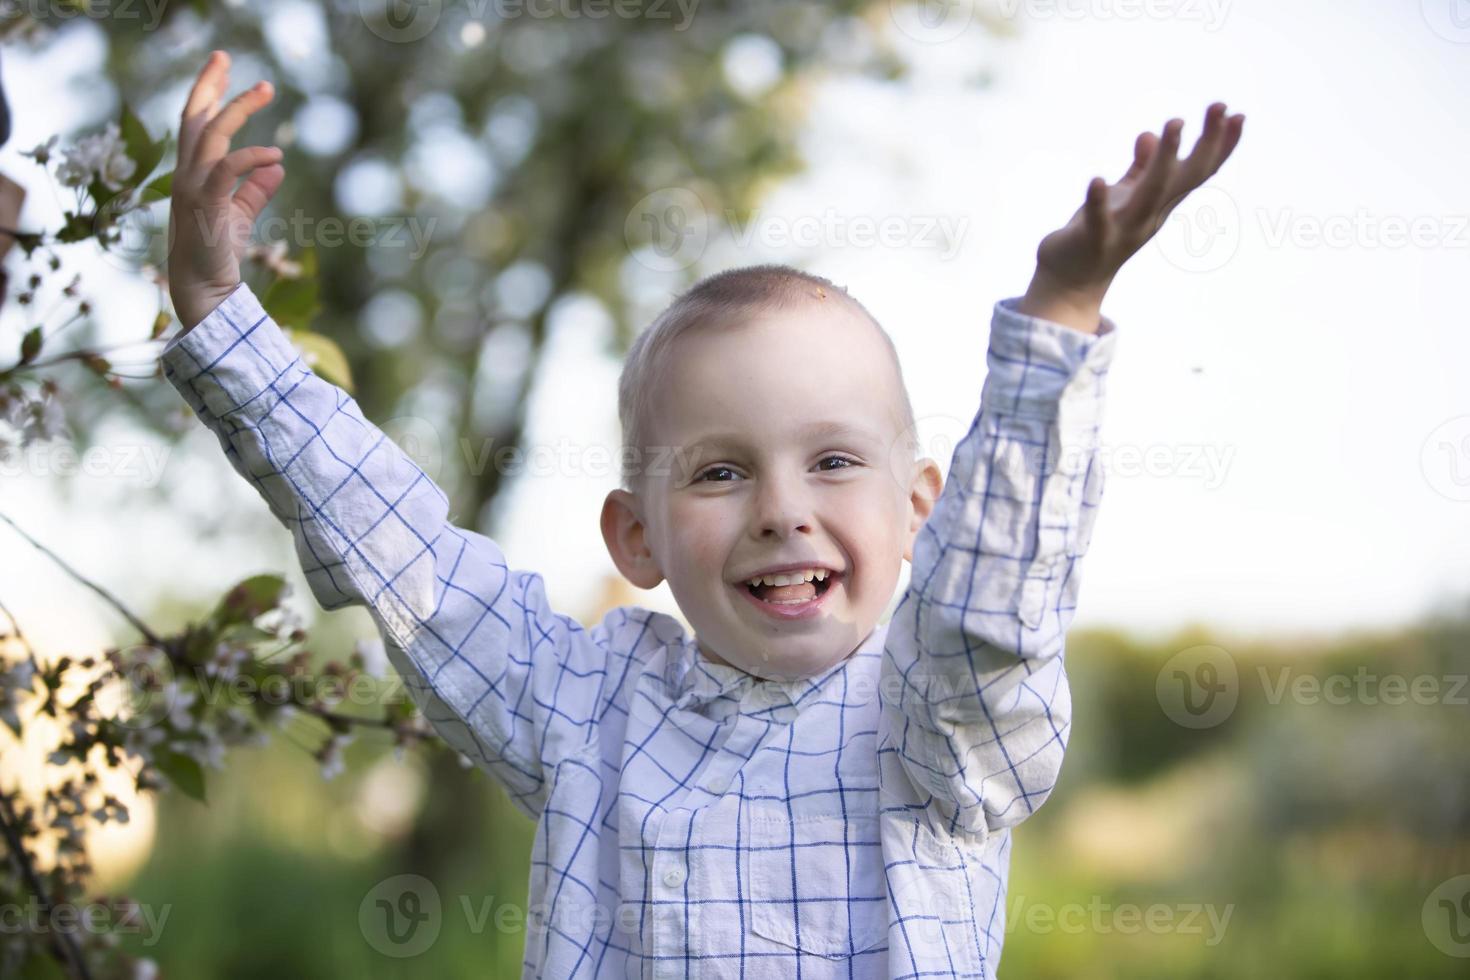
671,931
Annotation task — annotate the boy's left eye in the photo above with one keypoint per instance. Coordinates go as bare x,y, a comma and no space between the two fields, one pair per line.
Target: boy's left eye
705,477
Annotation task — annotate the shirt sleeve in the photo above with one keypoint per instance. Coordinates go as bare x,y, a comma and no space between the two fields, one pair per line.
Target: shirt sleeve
502,678
975,687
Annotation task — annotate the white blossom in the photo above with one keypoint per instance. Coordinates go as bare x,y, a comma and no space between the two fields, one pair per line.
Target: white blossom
100,156
273,257
139,741
374,656
330,757
210,752
178,712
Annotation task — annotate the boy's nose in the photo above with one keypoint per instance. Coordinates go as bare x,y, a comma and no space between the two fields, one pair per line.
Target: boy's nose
783,508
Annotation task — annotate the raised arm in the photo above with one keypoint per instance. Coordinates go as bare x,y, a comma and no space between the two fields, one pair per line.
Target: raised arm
980,711
502,677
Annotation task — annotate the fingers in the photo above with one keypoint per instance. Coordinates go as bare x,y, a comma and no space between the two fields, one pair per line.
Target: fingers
1095,209
203,102
222,175
1143,150
1206,157
214,139
1234,126
1156,178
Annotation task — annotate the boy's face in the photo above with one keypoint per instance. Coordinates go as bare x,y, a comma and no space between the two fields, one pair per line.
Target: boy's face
762,476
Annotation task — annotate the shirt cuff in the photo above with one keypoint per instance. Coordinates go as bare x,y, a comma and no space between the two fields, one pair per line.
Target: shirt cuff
1034,364
229,357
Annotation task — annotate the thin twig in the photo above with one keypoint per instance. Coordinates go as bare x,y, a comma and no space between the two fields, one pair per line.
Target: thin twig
30,650
72,355
153,639
127,614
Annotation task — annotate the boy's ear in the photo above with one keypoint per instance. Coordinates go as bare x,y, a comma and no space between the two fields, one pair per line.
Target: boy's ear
924,493
623,532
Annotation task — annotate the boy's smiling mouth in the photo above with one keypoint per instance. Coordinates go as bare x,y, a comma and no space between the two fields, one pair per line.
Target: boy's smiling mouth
790,591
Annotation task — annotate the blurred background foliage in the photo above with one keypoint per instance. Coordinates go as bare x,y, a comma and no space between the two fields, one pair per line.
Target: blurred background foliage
516,148
523,145
1315,832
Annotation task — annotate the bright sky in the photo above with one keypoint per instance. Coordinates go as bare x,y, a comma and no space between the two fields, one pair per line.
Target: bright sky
1287,422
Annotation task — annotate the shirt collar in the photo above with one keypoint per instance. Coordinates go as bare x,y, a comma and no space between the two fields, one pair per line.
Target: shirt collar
695,680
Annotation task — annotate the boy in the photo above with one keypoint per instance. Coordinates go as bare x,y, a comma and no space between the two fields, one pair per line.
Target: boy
794,790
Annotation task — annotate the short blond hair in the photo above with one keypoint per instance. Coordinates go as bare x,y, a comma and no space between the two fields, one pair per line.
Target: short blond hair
717,301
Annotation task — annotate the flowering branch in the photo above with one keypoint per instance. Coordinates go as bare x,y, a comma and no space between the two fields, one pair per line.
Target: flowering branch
66,950
112,600
187,697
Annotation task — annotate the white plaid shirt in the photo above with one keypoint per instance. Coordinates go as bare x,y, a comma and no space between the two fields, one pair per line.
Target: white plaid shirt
694,820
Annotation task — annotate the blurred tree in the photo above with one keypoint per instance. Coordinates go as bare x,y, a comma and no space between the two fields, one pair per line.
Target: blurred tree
502,160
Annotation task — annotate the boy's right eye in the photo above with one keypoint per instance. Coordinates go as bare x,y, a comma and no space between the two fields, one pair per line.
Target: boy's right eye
713,469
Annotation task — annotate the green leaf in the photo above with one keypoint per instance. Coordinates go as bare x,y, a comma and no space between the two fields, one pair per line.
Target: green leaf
140,146
160,324
293,302
29,241
163,184
323,356
246,633
183,771
248,599
100,194
30,345
78,227
39,966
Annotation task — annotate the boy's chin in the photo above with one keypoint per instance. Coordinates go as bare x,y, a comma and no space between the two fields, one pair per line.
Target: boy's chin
790,662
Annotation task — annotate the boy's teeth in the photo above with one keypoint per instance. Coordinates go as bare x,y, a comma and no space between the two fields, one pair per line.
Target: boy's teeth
790,578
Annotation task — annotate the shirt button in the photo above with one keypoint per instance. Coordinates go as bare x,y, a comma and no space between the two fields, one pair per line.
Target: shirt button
674,877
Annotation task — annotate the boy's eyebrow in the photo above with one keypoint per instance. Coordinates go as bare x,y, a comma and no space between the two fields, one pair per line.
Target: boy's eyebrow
813,430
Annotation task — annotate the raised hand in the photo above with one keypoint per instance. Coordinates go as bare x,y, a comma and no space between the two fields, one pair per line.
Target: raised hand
210,221
1076,263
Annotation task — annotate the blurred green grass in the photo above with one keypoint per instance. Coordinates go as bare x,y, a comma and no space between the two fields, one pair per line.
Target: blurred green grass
1319,828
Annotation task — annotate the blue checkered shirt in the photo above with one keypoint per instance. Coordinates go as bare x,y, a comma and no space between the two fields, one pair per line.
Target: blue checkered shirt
693,820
